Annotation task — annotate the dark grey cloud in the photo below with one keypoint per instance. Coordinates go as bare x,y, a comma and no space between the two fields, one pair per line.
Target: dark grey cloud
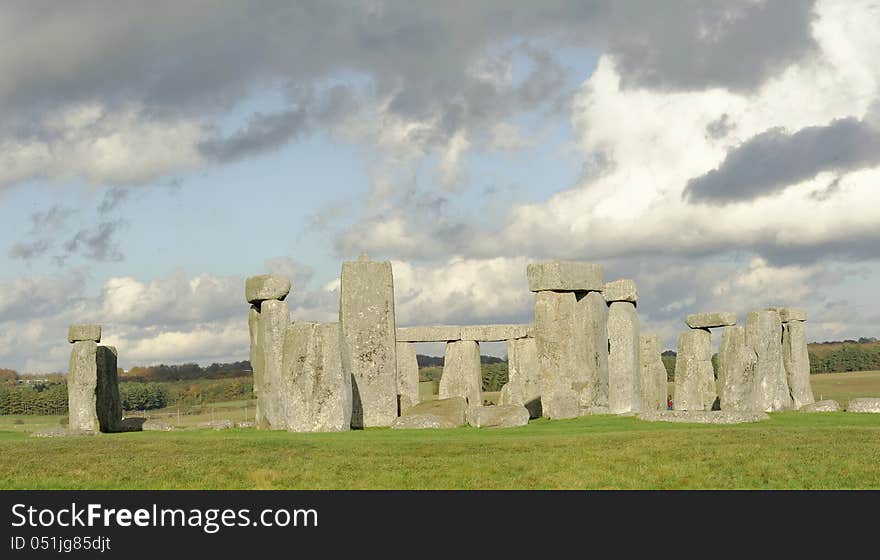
113,197
720,127
263,132
775,159
44,226
97,243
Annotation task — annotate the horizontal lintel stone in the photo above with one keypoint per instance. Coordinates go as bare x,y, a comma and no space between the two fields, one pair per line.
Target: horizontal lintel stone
710,320
479,333
565,276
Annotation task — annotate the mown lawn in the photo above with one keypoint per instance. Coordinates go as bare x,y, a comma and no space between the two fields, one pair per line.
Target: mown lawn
792,450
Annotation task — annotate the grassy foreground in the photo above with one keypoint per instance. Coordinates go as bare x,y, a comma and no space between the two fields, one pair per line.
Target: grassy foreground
792,450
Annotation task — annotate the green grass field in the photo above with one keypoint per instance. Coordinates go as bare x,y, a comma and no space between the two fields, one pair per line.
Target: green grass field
792,450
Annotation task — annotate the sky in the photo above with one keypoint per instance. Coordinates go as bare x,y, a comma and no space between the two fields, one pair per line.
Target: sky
725,155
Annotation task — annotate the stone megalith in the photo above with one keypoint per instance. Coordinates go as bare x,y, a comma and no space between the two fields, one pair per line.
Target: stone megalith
763,334
710,320
694,376
82,383
564,276
268,318
621,290
653,374
557,347
592,312
500,416
462,375
407,376
523,386
92,385
737,364
314,387
796,360
369,353
624,385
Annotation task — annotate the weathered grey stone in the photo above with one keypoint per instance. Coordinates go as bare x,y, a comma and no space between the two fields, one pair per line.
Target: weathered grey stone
787,314
407,376
462,376
694,375
763,334
82,381
369,353
84,333
555,326
108,406
315,389
864,404
500,416
561,404
440,413
710,320
592,316
703,416
448,333
624,384
737,364
621,290
821,406
523,386
653,374
796,360
565,276
268,328
265,287
61,432
157,426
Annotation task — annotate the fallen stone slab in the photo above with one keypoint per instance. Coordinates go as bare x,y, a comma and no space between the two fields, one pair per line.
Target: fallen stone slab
821,406
156,426
621,290
499,416
84,332
61,432
703,416
265,287
439,413
560,405
864,404
565,276
710,320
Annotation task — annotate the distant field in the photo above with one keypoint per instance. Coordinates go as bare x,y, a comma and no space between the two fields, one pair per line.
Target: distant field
845,386
793,450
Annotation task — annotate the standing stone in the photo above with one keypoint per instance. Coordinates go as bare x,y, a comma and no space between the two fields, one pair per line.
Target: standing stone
593,311
763,334
523,386
694,376
82,382
796,360
462,376
108,406
653,374
407,376
257,366
624,385
274,318
737,364
558,348
315,388
366,313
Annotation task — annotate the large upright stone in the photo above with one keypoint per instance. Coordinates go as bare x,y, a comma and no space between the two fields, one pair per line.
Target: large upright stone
314,387
694,376
274,318
407,376
624,385
523,386
565,276
108,405
84,332
621,290
558,347
257,359
265,287
763,334
594,316
737,364
653,374
796,360
82,382
462,376
366,313
710,320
